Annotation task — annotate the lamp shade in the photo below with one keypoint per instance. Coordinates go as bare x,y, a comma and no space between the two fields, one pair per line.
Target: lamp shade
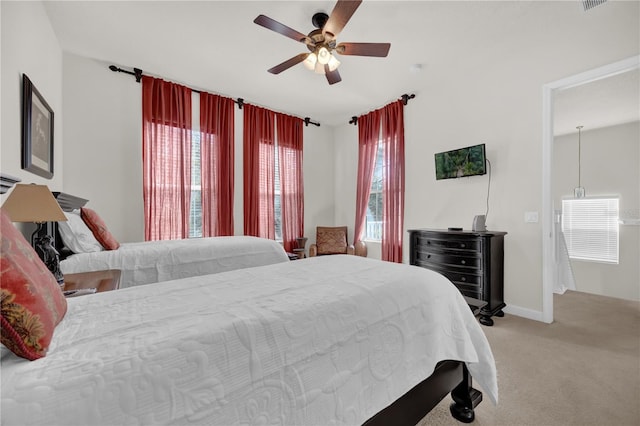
333,63
32,203
310,62
324,55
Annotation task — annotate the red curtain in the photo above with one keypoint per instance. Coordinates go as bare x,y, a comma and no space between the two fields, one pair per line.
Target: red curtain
289,133
166,158
368,134
393,182
216,164
259,171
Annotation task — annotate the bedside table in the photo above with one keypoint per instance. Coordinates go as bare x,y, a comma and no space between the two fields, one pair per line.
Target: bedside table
100,280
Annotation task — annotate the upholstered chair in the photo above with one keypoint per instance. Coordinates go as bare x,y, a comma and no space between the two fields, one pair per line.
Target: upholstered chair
333,240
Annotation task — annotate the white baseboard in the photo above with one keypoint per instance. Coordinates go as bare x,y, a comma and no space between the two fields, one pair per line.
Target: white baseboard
524,312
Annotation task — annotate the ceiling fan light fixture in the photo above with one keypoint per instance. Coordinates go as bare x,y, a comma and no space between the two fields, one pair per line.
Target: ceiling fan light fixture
322,42
319,68
311,61
324,56
333,63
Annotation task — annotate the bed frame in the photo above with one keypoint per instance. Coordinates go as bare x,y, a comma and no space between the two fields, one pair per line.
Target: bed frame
448,377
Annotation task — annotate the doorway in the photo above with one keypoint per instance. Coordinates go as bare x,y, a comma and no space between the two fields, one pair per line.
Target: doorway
549,92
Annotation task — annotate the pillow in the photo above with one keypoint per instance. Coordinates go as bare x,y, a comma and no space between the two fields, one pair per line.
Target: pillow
331,240
32,303
99,229
77,236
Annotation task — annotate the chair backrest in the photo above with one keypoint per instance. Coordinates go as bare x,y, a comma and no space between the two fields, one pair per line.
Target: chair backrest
331,239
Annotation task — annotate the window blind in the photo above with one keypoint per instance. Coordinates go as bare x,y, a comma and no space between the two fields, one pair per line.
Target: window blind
195,211
590,226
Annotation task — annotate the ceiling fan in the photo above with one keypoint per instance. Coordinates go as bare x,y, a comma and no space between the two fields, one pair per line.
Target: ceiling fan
322,41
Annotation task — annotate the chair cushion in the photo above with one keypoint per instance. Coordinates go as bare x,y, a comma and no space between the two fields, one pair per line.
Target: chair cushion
32,303
331,240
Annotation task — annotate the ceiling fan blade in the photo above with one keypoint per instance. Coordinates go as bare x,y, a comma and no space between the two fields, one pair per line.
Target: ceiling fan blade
276,26
364,49
333,77
288,63
340,15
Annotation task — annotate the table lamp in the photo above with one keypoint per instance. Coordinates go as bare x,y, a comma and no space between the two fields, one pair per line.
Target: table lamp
35,203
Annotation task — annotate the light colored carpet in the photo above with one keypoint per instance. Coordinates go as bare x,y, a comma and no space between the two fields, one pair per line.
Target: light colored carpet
583,369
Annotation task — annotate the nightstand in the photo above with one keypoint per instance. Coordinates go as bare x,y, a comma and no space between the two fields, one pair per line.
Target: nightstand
100,280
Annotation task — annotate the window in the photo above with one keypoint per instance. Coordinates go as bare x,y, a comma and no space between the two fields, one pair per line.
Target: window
590,227
277,204
195,208
373,229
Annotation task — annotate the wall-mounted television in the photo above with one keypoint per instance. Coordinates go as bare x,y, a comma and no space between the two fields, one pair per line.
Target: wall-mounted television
469,161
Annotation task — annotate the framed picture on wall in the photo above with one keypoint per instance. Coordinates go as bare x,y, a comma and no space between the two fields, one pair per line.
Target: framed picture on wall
37,131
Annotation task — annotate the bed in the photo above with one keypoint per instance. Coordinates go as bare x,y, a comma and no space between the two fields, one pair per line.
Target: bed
86,245
340,340
154,261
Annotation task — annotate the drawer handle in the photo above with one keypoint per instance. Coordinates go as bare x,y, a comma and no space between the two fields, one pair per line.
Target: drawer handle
463,278
428,256
462,245
463,262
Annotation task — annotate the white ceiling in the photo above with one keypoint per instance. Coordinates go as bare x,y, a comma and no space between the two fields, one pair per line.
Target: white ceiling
216,47
601,103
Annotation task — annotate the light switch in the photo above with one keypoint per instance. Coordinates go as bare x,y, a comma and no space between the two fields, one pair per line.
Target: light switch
531,217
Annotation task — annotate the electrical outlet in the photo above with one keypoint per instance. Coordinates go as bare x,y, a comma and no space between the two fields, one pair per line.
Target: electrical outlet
531,217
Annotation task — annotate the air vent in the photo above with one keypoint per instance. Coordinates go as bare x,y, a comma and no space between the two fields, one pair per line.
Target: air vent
590,4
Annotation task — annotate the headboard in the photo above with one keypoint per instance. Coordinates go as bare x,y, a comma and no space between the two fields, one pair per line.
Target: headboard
7,182
67,203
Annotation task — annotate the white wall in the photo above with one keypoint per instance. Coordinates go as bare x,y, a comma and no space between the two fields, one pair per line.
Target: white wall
495,97
103,148
29,46
103,151
610,165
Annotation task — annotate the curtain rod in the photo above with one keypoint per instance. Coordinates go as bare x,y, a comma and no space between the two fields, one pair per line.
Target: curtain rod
137,73
405,100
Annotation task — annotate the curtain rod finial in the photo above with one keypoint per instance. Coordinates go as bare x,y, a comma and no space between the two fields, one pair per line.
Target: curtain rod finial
307,121
405,98
138,74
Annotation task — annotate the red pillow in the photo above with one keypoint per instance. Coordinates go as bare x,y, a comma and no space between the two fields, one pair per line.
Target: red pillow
99,229
32,303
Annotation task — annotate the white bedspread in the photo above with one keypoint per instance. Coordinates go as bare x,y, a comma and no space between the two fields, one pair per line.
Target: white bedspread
154,261
323,341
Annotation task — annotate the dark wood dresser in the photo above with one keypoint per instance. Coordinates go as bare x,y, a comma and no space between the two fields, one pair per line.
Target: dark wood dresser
473,261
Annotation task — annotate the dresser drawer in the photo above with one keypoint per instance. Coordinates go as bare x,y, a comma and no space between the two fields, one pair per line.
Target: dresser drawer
467,280
456,260
434,243
470,292
470,281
